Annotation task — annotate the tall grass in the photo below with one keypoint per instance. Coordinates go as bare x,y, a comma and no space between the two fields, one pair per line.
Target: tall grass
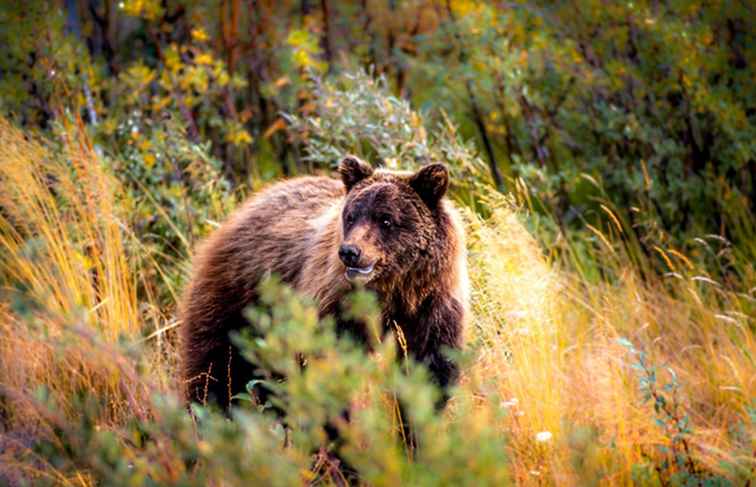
551,393
69,288
552,346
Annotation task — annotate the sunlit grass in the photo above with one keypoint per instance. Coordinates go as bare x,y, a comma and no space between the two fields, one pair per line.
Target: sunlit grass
550,350
62,249
61,227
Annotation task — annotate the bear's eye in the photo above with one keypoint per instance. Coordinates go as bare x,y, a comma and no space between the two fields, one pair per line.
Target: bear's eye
386,222
349,219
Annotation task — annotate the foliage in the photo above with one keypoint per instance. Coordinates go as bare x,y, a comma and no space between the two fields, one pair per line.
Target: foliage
172,193
652,102
357,114
680,467
168,446
623,133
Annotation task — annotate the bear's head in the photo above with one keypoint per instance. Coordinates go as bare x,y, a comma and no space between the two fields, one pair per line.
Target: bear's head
389,221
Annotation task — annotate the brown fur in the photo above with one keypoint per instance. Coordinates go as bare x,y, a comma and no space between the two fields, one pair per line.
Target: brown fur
294,229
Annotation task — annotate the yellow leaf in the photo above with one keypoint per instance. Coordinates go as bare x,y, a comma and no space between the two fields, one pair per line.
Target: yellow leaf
149,161
204,59
239,136
199,34
172,59
223,78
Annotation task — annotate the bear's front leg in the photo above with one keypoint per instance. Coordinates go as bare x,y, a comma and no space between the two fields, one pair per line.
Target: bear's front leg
436,329
440,321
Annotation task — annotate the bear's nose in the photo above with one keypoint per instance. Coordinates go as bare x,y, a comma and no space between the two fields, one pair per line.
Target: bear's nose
349,255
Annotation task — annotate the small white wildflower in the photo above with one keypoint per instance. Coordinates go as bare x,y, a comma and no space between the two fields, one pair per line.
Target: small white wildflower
543,436
509,404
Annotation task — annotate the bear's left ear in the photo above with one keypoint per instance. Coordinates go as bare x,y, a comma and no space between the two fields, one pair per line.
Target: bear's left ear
353,170
431,183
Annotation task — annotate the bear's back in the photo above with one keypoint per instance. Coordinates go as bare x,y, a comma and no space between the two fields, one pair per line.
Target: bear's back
270,233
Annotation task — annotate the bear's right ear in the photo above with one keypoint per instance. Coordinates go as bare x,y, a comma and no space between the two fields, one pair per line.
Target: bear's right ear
353,170
431,183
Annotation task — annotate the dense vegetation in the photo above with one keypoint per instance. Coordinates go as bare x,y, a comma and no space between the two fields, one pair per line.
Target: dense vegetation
602,154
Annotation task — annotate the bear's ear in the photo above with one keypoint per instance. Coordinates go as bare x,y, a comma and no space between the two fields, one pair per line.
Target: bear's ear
430,182
353,170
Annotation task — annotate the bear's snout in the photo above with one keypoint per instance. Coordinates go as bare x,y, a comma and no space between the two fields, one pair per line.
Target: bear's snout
353,259
350,255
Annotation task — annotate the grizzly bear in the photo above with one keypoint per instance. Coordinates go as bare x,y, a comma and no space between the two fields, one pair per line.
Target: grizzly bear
391,232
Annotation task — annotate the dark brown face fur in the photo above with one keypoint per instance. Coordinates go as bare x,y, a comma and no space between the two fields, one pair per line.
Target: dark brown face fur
388,219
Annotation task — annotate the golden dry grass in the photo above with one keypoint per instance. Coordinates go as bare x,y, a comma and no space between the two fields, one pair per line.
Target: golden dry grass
551,351
61,236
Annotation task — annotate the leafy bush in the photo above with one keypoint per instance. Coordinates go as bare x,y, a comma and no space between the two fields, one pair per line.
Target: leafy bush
679,467
173,193
357,114
167,446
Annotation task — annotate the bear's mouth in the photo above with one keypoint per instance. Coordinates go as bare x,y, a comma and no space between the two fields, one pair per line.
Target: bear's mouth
359,274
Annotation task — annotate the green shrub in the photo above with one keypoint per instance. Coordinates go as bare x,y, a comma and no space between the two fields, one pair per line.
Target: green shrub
255,447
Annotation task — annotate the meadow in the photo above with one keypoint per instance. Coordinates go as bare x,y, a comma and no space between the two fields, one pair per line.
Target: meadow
615,347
